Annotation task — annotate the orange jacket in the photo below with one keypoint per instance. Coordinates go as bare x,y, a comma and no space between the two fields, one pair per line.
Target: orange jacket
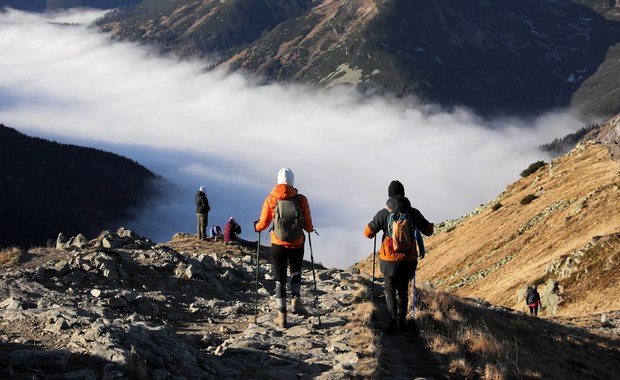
284,191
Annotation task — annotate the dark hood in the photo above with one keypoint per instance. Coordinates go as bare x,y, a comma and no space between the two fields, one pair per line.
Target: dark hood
398,203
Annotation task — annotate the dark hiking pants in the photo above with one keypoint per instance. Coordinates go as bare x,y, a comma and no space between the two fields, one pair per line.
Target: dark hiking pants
283,257
396,277
203,221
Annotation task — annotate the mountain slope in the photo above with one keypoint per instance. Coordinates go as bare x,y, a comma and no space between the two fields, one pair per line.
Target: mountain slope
493,56
558,227
48,187
48,5
121,306
200,28
599,94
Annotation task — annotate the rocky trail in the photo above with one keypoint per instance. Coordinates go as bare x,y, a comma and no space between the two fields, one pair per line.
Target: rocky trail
121,306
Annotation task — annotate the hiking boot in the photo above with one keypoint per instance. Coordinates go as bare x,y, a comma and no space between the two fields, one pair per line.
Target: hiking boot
298,307
280,319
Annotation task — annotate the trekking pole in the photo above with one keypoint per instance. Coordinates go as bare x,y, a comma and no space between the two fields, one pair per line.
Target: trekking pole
414,298
257,267
374,253
316,296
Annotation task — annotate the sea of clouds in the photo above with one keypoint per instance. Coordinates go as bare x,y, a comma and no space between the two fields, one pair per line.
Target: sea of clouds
62,80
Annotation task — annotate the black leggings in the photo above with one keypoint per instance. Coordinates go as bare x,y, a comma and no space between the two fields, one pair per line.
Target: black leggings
534,310
282,257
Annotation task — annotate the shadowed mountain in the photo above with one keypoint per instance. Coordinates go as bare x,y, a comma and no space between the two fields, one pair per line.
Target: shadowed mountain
212,29
48,5
493,56
48,187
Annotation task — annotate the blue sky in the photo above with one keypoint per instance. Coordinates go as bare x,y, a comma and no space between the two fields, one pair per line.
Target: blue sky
224,131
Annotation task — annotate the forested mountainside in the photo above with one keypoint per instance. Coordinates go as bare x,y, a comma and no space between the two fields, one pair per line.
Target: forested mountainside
493,56
48,187
47,5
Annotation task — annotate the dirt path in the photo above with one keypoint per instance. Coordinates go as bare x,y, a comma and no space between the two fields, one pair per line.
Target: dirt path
404,354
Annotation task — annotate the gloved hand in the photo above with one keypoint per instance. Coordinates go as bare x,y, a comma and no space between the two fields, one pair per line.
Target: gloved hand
255,223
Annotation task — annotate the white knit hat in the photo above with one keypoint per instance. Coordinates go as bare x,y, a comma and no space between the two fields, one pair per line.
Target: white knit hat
203,189
286,176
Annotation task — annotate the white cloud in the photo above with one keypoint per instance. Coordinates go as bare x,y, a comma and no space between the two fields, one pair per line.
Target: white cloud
224,131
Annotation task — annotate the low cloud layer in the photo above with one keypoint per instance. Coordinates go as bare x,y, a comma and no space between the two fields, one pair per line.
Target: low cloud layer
72,84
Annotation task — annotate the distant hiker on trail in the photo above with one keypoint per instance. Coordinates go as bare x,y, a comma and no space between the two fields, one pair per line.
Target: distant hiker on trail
216,232
398,254
231,230
202,212
532,299
287,240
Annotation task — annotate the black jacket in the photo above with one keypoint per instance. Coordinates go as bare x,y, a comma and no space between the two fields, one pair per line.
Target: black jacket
400,204
202,203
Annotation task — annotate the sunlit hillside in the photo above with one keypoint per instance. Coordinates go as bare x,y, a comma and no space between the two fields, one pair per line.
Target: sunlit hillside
558,227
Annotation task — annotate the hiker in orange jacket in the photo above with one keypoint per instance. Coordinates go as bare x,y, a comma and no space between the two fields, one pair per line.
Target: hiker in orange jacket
397,268
286,251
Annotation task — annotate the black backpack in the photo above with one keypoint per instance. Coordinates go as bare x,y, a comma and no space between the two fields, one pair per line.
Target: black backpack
531,297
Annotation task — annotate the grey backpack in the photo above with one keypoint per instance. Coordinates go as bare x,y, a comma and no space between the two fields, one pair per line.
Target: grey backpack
288,221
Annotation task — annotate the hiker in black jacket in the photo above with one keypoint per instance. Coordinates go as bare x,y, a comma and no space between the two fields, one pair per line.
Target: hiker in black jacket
532,299
202,212
398,267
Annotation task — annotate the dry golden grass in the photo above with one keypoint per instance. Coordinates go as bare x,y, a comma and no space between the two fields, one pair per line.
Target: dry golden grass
441,345
493,372
363,313
10,255
492,344
460,368
480,342
360,294
495,255
365,338
467,348
368,365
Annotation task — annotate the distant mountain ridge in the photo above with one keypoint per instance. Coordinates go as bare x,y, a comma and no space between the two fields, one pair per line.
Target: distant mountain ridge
48,187
492,56
212,29
48,5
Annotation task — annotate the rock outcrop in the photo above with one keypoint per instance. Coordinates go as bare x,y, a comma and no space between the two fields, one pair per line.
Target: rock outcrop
121,306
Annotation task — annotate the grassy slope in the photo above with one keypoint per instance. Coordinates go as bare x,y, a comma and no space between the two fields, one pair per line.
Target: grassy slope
494,255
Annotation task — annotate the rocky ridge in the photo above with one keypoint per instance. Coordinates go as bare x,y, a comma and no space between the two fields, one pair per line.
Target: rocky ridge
122,306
